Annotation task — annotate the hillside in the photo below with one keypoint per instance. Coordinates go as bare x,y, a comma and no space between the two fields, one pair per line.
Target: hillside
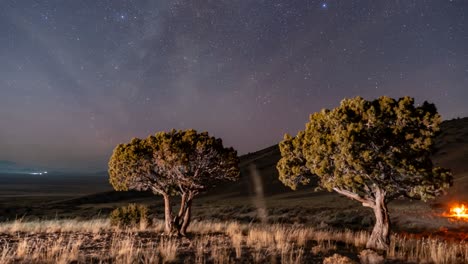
258,189
451,152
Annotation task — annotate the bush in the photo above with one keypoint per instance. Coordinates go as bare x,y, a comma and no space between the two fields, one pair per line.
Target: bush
130,215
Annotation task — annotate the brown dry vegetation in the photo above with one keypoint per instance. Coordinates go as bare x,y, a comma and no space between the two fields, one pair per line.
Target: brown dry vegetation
95,241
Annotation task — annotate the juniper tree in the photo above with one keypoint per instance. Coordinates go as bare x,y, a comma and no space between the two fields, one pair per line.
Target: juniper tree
183,163
369,151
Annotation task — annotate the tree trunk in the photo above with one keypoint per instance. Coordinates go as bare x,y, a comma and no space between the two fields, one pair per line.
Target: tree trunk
379,239
187,217
177,222
183,201
169,225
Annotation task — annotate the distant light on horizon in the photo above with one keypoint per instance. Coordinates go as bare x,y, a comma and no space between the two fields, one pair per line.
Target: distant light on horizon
38,173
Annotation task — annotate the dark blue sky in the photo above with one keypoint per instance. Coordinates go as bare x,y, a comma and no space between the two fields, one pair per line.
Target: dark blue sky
79,77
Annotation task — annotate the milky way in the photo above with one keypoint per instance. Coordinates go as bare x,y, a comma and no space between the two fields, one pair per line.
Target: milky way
79,77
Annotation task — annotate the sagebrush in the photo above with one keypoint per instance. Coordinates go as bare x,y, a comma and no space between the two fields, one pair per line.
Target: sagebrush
130,216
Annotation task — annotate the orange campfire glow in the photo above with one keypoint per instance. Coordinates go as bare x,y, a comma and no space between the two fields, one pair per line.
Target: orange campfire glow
459,212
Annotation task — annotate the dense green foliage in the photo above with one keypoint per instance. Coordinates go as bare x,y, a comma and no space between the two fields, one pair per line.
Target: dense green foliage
385,142
172,162
183,163
130,215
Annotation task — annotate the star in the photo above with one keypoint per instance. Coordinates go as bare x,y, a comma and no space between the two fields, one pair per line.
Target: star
125,60
120,17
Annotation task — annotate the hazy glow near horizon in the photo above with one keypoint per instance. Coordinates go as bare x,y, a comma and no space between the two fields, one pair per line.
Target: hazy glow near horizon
38,173
79,77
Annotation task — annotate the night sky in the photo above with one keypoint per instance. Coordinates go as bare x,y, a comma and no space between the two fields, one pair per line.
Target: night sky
79,77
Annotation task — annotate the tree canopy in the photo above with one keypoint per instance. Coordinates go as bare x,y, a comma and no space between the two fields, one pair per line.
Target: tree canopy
172,163
368,151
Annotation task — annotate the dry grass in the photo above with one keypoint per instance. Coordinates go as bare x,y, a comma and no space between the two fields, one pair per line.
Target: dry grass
95,241
168,249
53,226
234,231
428,250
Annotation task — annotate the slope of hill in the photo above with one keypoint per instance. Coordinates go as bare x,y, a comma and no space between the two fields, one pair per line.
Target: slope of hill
260,189
451,152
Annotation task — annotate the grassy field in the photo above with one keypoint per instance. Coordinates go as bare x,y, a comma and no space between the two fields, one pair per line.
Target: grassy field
295,226
95,241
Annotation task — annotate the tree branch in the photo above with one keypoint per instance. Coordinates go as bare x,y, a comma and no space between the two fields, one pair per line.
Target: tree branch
354,196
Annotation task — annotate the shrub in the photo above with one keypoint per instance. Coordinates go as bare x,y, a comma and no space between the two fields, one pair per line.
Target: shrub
130,215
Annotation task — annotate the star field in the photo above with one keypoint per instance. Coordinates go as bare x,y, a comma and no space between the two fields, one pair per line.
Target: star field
79,77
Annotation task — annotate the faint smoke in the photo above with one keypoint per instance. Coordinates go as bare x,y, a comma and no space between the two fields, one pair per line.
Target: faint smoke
259,198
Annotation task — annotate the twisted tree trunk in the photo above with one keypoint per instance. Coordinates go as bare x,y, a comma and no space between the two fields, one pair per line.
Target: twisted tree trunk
178,219
380,236
183,201
187,216
178,224
169,225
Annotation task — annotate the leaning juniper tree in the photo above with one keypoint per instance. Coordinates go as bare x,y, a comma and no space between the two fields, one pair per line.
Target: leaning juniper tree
183,163
369,151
